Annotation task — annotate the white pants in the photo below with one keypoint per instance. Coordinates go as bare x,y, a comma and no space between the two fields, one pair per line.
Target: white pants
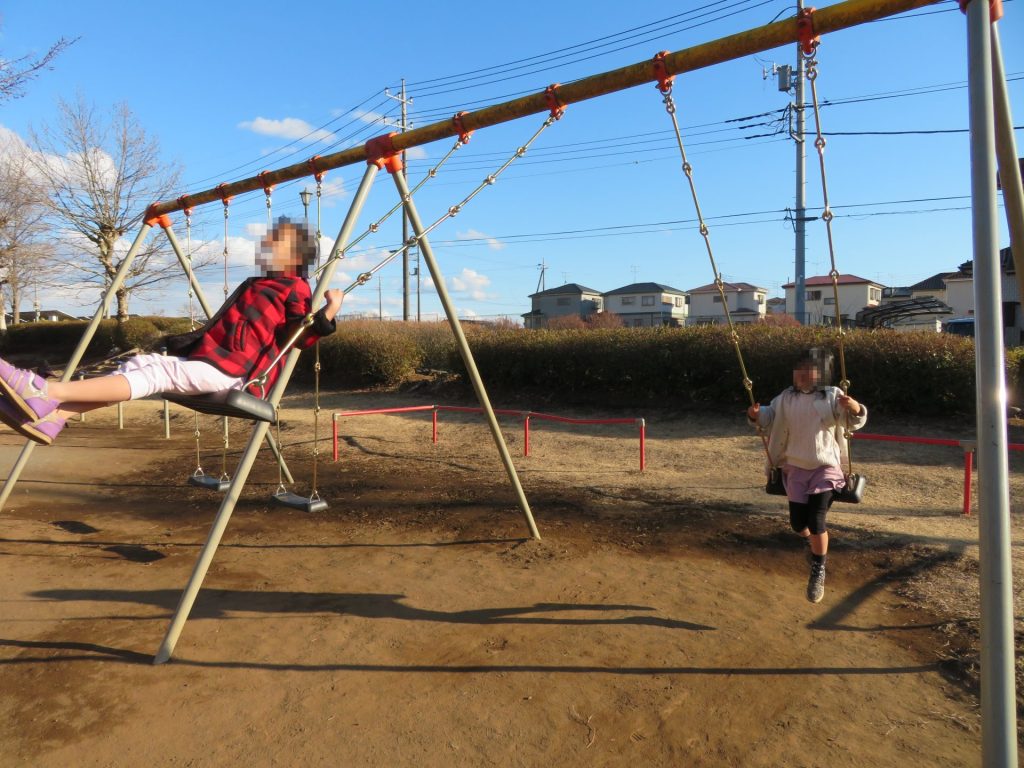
149,374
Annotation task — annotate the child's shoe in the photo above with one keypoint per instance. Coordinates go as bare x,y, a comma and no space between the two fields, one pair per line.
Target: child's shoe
26,391
816,582
42,431
45,430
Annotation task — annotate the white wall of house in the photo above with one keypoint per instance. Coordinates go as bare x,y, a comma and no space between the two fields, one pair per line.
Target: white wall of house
706,306
960,296
561,305
645,309
820,300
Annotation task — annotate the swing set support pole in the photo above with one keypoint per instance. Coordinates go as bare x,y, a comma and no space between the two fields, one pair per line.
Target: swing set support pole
79,353
1006,157
464,350
259,433
998,697
186,264
831,19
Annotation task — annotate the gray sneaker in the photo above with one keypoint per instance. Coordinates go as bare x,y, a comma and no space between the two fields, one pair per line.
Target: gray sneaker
816,583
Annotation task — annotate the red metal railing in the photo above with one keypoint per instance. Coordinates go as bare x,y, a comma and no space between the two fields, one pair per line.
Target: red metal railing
968,447
526,416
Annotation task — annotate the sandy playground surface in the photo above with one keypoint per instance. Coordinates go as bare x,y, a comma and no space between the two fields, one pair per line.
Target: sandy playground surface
661,621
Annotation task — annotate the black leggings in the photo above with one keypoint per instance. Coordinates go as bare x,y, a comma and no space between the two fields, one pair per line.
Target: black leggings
812,514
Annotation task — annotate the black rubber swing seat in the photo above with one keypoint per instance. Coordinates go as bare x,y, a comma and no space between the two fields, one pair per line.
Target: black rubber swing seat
302,503
209,482
233,403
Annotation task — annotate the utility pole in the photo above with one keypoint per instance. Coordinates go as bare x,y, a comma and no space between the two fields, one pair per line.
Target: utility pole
788,82
404,125
800,257
540,281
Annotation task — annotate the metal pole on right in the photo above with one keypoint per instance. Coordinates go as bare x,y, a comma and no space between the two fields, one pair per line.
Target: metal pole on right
1006,158
998,697
464,350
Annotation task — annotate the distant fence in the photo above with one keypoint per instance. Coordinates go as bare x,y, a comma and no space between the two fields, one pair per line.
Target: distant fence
526,416
967,446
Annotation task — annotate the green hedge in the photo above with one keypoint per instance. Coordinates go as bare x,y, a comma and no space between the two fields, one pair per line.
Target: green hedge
912,373
902,373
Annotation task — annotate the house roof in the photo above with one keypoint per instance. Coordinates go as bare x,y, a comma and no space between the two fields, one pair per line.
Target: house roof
775,301
646,288
574,289
729,288
933,283
843,280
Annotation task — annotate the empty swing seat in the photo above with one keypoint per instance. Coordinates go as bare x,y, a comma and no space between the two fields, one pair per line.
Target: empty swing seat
209,482
233,403
303,503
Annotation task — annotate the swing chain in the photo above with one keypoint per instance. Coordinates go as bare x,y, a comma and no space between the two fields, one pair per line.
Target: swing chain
748,383
827,216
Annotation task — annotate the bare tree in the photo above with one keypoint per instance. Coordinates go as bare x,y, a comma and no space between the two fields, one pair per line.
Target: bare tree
22,209
101,171
15,73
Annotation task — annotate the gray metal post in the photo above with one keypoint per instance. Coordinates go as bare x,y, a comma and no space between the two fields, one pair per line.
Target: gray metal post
998,699
1006,157
186,264
276,450
800,250
464,350
78,354
220,523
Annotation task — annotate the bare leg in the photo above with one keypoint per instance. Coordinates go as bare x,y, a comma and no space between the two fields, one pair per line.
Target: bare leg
67,410
104,390
819,543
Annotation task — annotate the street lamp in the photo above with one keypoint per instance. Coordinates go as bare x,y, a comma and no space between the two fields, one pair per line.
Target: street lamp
305,195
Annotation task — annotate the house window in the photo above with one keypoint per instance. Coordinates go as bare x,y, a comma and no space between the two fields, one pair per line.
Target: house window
716,299
759,298
597,304
679,300
813,296
638,323
628,300
829,301
563,301
874,294
647,301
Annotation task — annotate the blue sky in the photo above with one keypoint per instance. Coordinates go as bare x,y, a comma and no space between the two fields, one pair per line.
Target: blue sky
230,89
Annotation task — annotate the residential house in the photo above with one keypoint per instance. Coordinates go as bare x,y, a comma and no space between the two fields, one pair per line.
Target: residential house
855,293
746,303
571,299
775,306
960,296
647,304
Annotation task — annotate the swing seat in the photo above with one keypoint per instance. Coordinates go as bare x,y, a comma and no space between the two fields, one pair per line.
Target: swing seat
209,482
853,491
303,503
233,403
774,486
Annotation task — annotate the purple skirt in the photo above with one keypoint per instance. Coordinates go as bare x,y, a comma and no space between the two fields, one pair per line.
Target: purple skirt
800,483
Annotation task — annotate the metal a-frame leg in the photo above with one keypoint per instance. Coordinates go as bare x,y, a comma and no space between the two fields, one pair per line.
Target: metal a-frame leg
464,350
259,432
78,354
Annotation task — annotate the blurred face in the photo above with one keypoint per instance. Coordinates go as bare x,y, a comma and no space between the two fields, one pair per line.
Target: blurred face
279,252
806,377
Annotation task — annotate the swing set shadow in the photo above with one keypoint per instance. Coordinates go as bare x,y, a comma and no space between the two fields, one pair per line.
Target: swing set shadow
94,653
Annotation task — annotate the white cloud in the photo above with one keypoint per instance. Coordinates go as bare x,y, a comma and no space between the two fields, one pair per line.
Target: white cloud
286,128
368,117
255,229
471,283
416,153
474,234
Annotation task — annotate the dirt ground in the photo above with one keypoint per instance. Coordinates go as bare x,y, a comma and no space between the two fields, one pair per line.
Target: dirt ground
661,621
